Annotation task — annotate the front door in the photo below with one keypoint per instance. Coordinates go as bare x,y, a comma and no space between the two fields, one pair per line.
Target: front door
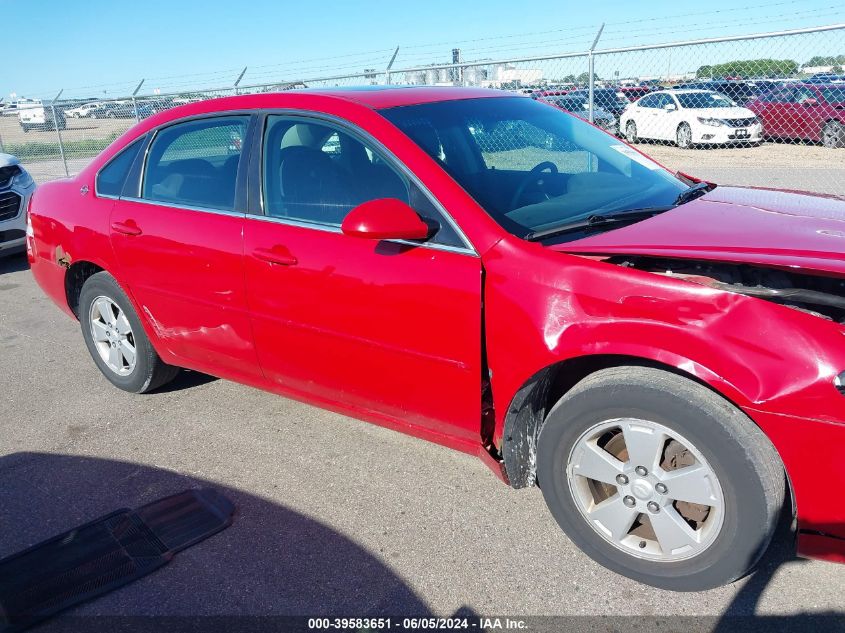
382,326
179,245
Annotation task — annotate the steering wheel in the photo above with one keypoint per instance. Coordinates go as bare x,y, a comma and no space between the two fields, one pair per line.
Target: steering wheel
533,176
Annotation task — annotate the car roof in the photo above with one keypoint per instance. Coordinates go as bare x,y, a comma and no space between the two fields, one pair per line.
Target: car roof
680,91
393,96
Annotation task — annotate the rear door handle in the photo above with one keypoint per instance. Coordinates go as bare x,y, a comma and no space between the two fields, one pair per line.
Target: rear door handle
277,255
126,228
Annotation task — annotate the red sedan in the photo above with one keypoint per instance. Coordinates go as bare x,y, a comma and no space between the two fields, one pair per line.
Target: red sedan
811,112
482,270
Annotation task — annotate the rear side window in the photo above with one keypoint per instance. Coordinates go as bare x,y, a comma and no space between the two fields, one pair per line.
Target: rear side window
196,163
111,177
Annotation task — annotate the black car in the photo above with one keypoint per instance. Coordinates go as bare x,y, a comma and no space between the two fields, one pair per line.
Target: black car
608,99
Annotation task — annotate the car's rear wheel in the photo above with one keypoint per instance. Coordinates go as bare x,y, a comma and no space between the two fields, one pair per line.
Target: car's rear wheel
683,136
116,339
631,132
660,479
833,134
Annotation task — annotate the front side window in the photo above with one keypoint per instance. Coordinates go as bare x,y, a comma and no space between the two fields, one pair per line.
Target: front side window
317,173
111,177
532,167
195,163
834,95
649,101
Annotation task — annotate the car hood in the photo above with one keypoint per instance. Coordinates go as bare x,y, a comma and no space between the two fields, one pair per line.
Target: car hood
7,160
731,224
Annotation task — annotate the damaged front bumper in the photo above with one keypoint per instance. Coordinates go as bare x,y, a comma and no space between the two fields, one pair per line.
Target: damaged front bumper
811,451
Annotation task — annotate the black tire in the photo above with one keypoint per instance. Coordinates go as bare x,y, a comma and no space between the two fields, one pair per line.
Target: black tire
683,136
833,135
150,372
746,464
631,132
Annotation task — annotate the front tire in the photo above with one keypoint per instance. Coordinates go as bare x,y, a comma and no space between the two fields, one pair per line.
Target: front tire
631,132
659,479
116,339
683,136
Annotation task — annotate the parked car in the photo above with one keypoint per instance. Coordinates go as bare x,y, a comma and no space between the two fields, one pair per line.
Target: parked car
812,112
608,99
570,312
580,107
37,116
16,187
112,110
690,117
825,78
82,110
742,92
632,93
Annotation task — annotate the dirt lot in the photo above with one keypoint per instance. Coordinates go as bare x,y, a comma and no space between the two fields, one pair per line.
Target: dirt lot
77,130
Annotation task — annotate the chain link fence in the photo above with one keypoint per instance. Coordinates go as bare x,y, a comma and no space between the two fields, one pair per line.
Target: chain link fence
758,110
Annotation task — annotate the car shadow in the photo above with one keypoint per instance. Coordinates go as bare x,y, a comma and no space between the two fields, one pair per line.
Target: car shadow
271,561
13,263
186,379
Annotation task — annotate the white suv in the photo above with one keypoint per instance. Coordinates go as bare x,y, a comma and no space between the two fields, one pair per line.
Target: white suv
16,187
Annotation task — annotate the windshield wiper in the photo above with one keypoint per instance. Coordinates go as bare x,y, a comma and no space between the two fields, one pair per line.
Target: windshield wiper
596,221
696,191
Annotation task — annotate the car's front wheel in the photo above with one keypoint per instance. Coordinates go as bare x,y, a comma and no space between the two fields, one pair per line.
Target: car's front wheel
116,339
631,131
683,136
658,478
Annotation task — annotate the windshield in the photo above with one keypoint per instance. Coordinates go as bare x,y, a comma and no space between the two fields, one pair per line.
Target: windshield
704,100
834,95
532,166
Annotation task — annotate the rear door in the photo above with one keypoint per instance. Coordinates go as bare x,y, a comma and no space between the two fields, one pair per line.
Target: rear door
389,327
178,240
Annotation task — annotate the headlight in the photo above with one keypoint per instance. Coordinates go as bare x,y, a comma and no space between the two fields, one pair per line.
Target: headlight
710,121
22,179
839,383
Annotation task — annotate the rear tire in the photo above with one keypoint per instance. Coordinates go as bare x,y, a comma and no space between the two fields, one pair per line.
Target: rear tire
116,339
727,517
833,135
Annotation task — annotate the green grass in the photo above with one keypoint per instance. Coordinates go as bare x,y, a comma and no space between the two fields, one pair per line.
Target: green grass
41,150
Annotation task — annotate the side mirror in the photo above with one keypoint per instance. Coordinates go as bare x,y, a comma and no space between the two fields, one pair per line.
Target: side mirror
809,103
385,219
670,107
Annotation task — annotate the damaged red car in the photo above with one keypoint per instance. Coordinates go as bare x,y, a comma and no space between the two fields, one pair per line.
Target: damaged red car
663,356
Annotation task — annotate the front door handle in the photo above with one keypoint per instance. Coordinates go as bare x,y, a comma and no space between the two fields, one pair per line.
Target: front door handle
277,255
127,228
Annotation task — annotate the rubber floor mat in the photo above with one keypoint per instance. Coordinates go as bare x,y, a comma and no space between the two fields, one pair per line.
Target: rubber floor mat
105,554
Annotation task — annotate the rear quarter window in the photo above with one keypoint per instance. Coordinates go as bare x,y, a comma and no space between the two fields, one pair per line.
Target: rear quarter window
111,178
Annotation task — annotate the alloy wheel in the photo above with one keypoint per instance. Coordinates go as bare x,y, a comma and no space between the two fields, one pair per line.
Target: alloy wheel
112,335
646,490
